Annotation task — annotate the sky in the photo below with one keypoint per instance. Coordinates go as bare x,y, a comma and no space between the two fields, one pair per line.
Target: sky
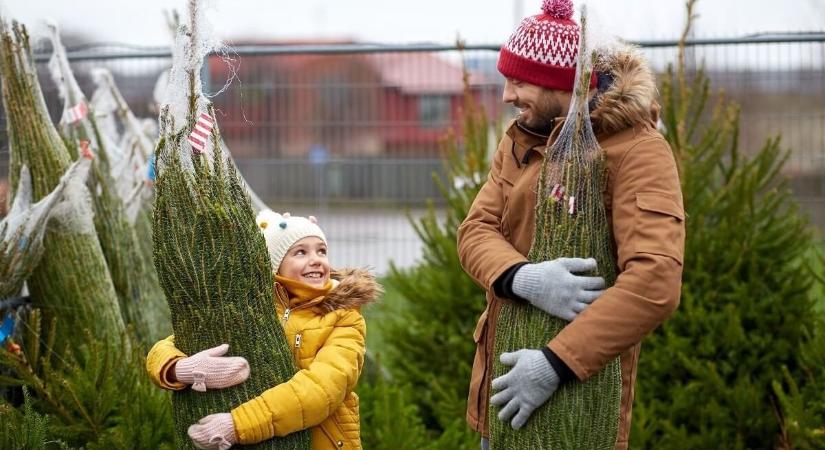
141,22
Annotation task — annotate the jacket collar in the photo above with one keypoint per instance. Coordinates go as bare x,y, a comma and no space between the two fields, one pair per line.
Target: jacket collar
349,288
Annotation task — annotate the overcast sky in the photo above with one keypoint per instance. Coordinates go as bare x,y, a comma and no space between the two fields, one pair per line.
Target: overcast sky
141,22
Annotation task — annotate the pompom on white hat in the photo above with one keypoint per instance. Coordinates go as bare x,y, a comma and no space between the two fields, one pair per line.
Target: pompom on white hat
282,231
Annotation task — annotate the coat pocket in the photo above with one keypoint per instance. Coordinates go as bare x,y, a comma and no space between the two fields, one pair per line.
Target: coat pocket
659,225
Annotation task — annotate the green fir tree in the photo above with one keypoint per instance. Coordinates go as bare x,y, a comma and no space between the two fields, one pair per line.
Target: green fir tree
705,378
430,330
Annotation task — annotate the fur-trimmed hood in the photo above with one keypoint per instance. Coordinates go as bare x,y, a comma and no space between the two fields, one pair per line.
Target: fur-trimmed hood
351,288
355,288
627,91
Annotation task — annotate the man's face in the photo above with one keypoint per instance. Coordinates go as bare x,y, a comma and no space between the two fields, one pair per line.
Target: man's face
537,106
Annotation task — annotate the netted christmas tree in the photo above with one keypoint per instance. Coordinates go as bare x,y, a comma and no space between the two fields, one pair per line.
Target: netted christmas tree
133,276
210,255
72,279
22,230
570,222
706,377
429,350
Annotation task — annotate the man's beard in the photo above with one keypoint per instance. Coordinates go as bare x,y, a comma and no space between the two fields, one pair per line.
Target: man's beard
542,114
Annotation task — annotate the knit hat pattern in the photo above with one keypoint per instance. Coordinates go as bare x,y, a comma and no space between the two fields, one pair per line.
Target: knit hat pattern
282,231
544,48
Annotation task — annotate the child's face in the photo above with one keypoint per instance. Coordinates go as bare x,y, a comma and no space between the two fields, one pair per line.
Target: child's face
307,261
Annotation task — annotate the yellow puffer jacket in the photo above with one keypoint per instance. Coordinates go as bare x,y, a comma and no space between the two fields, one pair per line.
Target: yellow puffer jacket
327,336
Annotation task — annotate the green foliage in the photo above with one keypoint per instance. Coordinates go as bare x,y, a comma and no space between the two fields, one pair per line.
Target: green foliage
26,429
391,420
802,399
430,329
91,393
706,377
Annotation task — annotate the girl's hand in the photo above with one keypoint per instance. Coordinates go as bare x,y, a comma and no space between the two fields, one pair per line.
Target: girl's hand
213,432
209,369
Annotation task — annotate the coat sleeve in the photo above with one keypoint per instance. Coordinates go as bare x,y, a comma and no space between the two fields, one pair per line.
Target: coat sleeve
312,394
160,360
649,231
484,252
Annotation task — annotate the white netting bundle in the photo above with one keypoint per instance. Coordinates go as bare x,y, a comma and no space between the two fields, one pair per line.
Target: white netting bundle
132,137
22,230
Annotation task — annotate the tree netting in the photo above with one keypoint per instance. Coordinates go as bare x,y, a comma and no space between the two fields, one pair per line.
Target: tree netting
209,253
136,137
22,230
118,124
72,279
570,222
136,284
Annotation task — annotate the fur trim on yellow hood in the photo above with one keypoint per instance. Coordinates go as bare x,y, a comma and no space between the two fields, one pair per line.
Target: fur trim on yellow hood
351,288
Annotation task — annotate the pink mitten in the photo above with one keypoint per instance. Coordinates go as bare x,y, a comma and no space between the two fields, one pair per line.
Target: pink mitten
213,432
209,369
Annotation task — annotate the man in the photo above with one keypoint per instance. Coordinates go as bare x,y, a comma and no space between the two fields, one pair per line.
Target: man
644,207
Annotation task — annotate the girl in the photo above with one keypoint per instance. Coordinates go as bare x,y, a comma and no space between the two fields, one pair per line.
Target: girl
320,312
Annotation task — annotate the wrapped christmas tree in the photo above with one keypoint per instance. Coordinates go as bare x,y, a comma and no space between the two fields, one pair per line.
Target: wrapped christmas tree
136,284
72,279
117,124
211,258
570,222
22,230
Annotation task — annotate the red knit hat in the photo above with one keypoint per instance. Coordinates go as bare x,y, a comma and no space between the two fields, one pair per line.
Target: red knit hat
544,48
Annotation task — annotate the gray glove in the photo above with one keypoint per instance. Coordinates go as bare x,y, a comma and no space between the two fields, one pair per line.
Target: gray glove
525,387
553,287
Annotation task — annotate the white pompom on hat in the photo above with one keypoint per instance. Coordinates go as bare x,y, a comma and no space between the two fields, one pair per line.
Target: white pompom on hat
282,231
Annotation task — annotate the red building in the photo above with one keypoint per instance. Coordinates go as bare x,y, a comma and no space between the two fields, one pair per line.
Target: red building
399,104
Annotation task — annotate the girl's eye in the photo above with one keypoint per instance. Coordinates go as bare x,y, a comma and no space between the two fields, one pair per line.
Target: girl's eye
299,252
322,252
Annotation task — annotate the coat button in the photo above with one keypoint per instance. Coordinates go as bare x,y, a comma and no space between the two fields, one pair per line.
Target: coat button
340,444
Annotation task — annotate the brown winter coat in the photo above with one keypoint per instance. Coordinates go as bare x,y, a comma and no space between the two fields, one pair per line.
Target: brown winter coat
644,206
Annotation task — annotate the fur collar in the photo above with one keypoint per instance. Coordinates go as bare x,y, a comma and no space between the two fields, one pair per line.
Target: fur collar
352,288
630,99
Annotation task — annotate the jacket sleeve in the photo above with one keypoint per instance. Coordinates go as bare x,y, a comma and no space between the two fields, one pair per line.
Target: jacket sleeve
312,394
484,252
160,360
648,226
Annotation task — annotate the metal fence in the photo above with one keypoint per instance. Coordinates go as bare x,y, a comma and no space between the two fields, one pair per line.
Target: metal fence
352,133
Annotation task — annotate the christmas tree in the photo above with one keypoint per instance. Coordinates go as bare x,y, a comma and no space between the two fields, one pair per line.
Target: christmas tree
706,376
430,330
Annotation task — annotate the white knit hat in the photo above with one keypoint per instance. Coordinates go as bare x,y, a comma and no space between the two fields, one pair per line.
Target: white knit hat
282,231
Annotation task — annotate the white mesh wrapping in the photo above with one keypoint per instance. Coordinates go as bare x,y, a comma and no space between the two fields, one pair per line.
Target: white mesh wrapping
75,213
104,105
22,230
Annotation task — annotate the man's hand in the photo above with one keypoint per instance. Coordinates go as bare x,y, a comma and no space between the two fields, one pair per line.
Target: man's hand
209,369
525,387
553,286
213,432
